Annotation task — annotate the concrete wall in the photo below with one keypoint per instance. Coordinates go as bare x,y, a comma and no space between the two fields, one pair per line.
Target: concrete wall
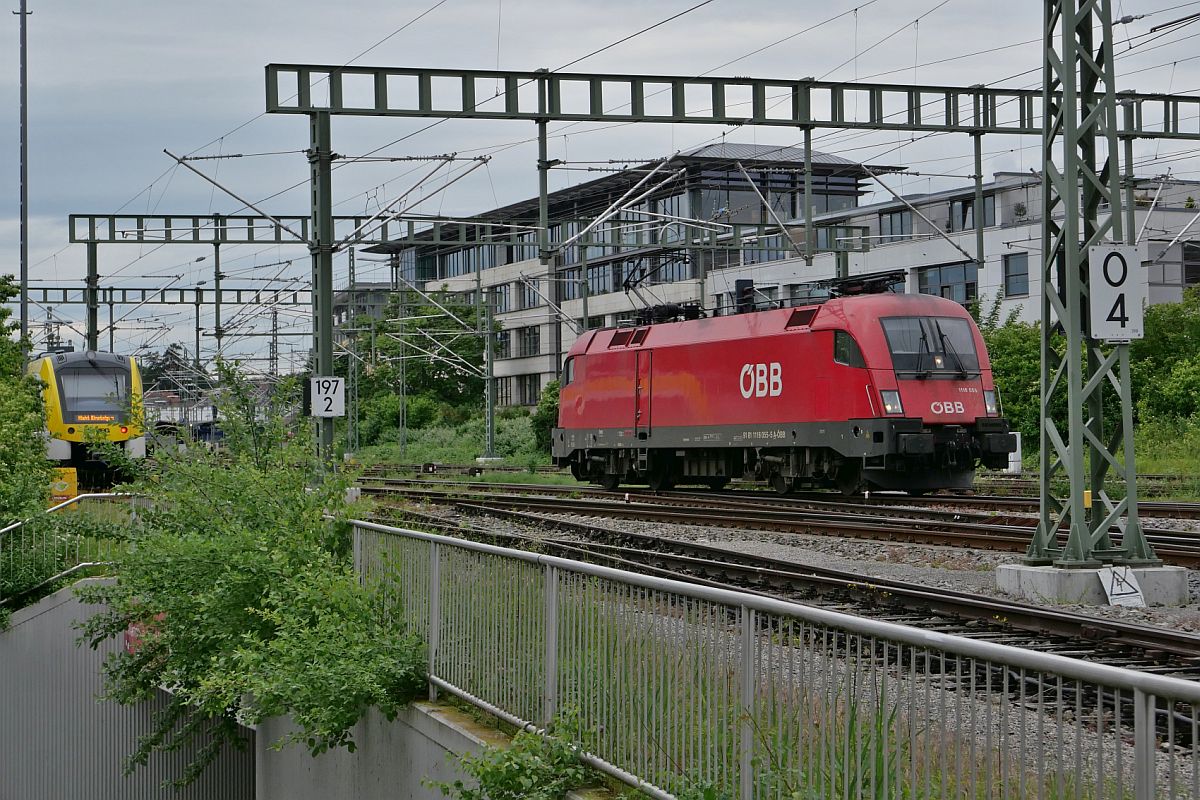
57,740
392,759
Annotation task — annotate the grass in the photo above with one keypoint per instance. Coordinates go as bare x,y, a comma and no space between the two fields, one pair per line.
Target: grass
458,444
50,544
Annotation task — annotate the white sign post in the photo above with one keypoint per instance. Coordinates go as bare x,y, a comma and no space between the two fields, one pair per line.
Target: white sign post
1119,287
328,397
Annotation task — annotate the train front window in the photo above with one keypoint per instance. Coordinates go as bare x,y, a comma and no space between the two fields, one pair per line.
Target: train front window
846,351
932,346
90,395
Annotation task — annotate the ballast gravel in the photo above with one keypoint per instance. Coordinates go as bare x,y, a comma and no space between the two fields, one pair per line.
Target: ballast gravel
935,566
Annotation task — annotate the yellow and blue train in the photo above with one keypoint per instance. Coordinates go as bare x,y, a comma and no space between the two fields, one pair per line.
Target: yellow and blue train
90,397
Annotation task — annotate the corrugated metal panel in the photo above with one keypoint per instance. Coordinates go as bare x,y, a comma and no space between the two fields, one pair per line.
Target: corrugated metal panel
58,740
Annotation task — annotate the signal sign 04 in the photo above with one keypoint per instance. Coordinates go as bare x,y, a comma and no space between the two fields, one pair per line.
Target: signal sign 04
1119,287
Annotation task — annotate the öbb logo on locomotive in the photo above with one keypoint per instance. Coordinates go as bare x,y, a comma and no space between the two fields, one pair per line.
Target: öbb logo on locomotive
761,380
948,407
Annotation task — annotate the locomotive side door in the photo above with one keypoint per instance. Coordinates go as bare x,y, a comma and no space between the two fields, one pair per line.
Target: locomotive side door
641,394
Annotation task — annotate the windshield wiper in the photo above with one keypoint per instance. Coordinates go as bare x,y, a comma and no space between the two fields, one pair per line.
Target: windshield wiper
924,348
948,347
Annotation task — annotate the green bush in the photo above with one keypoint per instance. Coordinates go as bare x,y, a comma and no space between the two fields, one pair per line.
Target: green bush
545,418
535,767
1015,350
244,598
1177,394
459,444
379,415
25,472
420,411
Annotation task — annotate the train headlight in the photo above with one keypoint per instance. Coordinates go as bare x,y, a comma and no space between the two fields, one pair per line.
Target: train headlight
891,401
990,404
124,429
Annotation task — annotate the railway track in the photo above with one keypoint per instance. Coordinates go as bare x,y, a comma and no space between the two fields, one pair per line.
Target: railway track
1116,642
1018,488
760,511
1023,502
1146,508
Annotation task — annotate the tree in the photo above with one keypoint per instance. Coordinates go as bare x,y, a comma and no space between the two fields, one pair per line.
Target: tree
545,417
242,597
24,470
172,361
1015,350
1172,332
442,385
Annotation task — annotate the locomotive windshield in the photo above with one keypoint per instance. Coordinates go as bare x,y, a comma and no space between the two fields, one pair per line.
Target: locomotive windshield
94,394
929,346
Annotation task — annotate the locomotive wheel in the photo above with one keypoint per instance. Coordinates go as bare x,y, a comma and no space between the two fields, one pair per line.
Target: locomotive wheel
849,479
781,484
716,484
609,483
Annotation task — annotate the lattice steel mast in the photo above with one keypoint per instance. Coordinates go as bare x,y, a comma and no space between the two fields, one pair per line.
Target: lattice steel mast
1079,113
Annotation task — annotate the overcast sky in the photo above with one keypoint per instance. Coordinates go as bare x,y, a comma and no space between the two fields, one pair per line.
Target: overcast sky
113,84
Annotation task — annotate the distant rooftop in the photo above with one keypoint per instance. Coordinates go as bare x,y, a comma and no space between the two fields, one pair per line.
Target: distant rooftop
742,151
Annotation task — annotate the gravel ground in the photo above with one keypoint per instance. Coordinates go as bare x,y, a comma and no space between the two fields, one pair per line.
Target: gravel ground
964,569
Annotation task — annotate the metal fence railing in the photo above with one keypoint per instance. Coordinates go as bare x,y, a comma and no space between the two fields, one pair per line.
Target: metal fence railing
696,691
61,541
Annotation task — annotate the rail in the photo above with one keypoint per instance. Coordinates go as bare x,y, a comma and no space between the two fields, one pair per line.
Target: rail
35,554
678,688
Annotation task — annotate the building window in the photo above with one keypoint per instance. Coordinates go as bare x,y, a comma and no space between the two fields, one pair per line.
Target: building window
527,293
1191,264
962,213
503,391
529,341
503,344
731,205
525,249
895,226
599,279
529,389
568,284
1016,274
500,295
957,282
661,269
767,248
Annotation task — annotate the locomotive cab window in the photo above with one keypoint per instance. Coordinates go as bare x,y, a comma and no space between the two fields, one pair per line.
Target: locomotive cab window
932,346
568,374
94,392
846,350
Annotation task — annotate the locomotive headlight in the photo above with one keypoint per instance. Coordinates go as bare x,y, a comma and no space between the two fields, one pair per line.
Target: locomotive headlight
989,402
891,401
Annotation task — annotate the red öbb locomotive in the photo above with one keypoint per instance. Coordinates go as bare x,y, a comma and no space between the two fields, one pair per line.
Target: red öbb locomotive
889,391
